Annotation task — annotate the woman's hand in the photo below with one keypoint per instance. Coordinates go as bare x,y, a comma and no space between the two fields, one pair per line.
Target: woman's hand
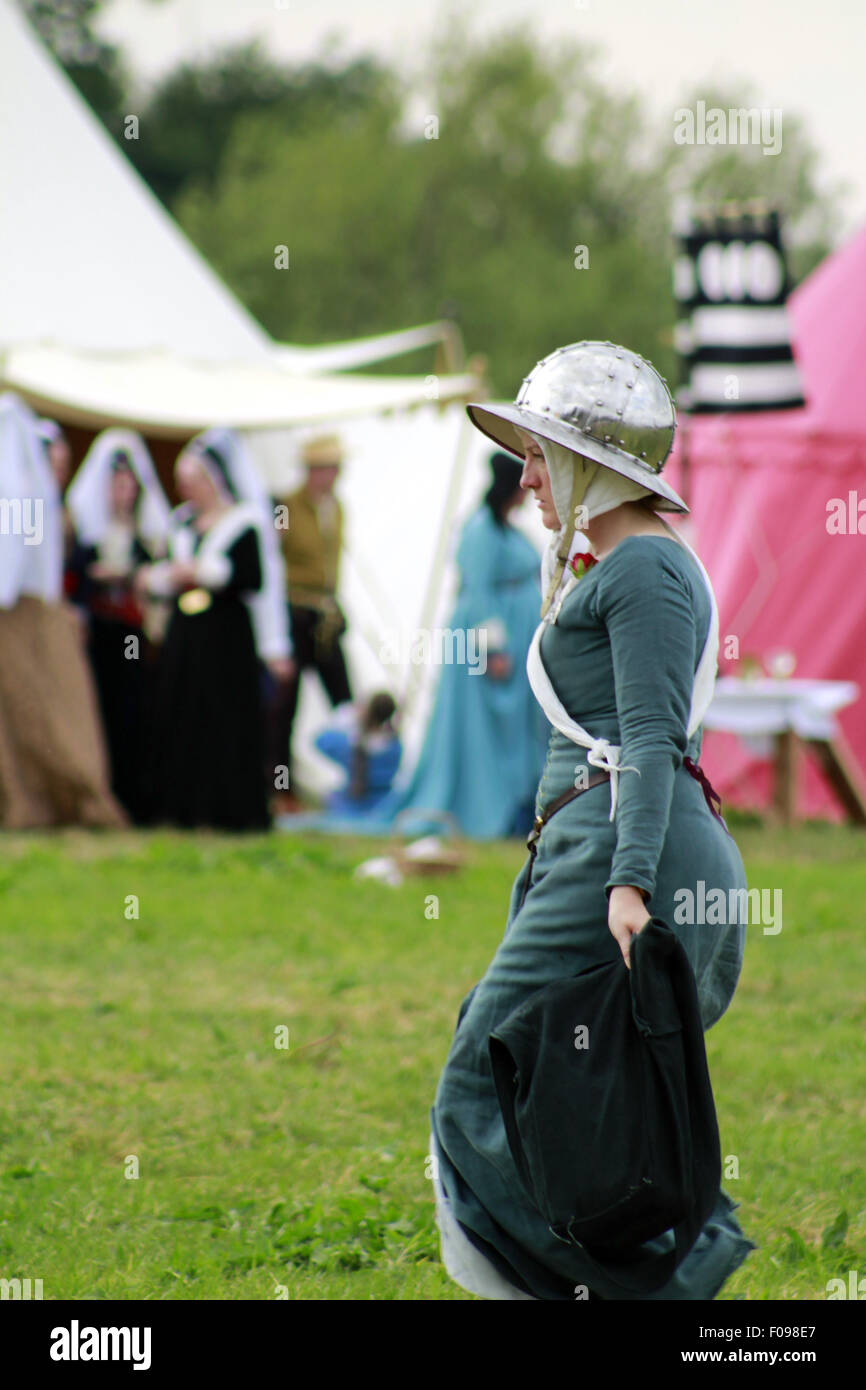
183,574
282,668
626,915
499,666
141,580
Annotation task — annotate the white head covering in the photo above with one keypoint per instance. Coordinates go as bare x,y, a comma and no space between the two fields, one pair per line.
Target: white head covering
267,608
577,481
49,431
574,482
31,543
88,494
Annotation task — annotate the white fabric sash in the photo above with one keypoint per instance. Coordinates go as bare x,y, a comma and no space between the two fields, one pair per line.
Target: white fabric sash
602,753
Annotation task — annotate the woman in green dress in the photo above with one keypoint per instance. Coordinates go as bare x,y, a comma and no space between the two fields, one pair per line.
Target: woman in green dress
623,664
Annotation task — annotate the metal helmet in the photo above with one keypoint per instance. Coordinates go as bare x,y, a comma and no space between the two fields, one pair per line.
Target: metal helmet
601,401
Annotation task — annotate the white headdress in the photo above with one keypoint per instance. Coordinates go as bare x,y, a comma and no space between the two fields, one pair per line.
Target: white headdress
267,607
577,482
31,547
88,494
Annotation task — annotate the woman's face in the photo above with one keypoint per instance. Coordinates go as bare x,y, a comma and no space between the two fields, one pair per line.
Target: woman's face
535,479
123,491
194,482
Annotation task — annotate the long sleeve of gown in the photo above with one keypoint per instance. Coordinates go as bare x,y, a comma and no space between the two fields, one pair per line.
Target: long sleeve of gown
649,615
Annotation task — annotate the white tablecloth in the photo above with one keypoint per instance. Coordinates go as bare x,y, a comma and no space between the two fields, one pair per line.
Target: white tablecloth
759,708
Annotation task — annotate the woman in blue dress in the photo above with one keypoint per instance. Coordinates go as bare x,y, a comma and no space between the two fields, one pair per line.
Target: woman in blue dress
623,664
484,746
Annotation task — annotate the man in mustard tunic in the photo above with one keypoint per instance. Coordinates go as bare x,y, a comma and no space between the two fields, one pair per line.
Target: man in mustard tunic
311,546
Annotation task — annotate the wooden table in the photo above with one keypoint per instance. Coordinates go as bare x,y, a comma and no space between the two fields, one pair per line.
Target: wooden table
791,716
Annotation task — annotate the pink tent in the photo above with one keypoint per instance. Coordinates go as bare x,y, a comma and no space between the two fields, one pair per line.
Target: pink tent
762,489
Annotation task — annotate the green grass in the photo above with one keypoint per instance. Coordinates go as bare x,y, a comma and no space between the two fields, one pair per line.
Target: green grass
154,1037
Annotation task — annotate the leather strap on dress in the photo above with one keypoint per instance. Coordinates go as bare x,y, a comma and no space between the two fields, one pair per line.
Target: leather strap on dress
713,800
711,796
593,780
599,775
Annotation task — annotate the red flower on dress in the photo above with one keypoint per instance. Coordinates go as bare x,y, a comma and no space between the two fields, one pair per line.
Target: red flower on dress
581,563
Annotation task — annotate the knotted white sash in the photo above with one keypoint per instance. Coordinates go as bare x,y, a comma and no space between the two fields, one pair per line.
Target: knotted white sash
602,753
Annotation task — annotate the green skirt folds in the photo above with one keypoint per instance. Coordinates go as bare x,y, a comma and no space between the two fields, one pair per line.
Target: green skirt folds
494,1242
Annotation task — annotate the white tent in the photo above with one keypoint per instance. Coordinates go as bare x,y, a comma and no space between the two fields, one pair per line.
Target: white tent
359,352
109,316
166,396
89,256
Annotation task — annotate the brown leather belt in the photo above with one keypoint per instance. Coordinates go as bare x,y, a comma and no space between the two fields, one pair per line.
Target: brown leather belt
712,799
600,775
540,821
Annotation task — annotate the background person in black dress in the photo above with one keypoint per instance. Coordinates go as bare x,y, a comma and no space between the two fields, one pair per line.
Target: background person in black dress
120,518
208,754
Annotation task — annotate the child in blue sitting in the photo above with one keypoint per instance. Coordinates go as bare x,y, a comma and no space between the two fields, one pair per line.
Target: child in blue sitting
362,739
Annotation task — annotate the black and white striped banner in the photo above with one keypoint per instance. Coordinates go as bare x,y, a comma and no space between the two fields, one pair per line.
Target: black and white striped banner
731,281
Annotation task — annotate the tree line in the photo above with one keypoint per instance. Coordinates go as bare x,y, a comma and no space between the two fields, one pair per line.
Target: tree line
501,182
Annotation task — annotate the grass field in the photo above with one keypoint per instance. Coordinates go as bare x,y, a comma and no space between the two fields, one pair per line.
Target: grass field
150,1041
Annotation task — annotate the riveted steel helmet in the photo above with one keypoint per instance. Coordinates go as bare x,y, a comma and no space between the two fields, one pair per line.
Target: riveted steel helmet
601,401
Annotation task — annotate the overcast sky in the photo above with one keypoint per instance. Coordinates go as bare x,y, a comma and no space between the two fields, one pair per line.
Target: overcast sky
802,57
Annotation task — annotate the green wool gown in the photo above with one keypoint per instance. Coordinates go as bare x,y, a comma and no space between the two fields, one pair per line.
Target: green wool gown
621,656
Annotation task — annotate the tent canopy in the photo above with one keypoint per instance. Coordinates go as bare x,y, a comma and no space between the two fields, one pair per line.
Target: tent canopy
91,259
828,312
360,352
761,488
110,316
165,396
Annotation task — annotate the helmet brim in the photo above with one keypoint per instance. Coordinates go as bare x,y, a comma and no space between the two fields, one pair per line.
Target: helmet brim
498,421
